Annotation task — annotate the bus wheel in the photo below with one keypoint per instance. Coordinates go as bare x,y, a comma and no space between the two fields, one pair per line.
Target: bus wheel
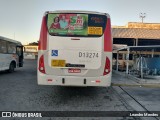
11,68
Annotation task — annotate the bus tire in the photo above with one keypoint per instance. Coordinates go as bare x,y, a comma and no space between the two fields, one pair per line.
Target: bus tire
11,67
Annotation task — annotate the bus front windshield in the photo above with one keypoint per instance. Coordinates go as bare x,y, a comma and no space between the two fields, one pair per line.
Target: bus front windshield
65,24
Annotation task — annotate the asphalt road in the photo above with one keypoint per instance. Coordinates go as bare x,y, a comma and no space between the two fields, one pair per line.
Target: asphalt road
19,92
148,97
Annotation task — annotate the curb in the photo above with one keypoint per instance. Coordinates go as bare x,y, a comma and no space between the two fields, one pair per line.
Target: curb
137,85
139,82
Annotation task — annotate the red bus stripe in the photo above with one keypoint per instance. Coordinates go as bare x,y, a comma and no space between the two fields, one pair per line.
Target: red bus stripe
43,35
107,37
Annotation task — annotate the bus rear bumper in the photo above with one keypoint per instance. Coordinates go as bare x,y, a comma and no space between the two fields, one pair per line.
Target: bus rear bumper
103,81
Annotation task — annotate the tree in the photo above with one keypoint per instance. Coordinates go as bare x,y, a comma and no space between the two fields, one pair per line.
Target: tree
33,43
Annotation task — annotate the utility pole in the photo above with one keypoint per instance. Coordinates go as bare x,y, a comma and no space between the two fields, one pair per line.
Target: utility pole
142,16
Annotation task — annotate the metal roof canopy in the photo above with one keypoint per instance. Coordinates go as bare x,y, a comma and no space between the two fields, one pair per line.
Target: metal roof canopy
138,33
140,48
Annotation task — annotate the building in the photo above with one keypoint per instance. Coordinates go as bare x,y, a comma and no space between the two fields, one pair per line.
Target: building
30,51
137,34
139,40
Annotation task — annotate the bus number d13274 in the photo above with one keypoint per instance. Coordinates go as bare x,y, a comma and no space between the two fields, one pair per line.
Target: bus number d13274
88,55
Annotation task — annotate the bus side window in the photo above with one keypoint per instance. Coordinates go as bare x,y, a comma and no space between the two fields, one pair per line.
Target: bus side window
18,51
3,47
11,48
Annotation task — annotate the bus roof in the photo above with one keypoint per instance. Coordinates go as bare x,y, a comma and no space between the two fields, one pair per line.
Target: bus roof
10,40
77,11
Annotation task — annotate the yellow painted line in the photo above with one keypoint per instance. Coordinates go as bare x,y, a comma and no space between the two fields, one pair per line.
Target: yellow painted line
151,85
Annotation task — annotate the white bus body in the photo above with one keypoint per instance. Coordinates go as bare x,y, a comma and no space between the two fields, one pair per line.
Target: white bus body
78,55
11,54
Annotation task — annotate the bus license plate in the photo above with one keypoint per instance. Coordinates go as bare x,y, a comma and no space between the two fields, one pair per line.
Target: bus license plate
74,70
58,63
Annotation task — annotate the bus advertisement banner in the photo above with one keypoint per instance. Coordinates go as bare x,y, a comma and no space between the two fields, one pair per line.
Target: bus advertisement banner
68,24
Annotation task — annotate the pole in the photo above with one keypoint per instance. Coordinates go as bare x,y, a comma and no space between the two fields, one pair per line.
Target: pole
136,41
117,60
141,67
127,58
142,16
152,53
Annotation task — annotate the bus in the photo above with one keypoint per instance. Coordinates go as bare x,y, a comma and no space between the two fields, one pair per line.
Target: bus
75,49
11,54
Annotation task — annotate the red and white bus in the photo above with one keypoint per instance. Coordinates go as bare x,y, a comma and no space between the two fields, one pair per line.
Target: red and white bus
75,49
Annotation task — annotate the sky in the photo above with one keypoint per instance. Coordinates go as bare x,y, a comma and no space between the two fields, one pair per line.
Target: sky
21,19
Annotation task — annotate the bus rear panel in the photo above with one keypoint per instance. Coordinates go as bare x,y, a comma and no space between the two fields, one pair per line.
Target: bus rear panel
75,49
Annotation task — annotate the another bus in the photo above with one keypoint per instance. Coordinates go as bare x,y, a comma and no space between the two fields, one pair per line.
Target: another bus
11,54
75,49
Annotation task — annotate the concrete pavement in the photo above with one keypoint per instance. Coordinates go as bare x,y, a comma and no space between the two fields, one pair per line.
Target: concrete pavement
123,79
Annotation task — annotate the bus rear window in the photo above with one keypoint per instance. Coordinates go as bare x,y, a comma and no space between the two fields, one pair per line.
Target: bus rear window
83,25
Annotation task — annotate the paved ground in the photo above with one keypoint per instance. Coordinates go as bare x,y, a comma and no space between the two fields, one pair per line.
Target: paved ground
130,80
146,94
148,97
19,92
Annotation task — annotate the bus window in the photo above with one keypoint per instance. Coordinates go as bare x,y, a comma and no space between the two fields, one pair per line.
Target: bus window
11,48
3,47
87,25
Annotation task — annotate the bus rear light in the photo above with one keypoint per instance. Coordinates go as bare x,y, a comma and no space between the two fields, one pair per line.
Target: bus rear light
41,65
75,39
41,68
107,70
49,80
98,81
107,67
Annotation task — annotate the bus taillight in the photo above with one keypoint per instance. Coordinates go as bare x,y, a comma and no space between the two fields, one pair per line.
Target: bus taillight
41,65
107,67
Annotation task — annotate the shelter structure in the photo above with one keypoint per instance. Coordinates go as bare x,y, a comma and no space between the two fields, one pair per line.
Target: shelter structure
135,40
